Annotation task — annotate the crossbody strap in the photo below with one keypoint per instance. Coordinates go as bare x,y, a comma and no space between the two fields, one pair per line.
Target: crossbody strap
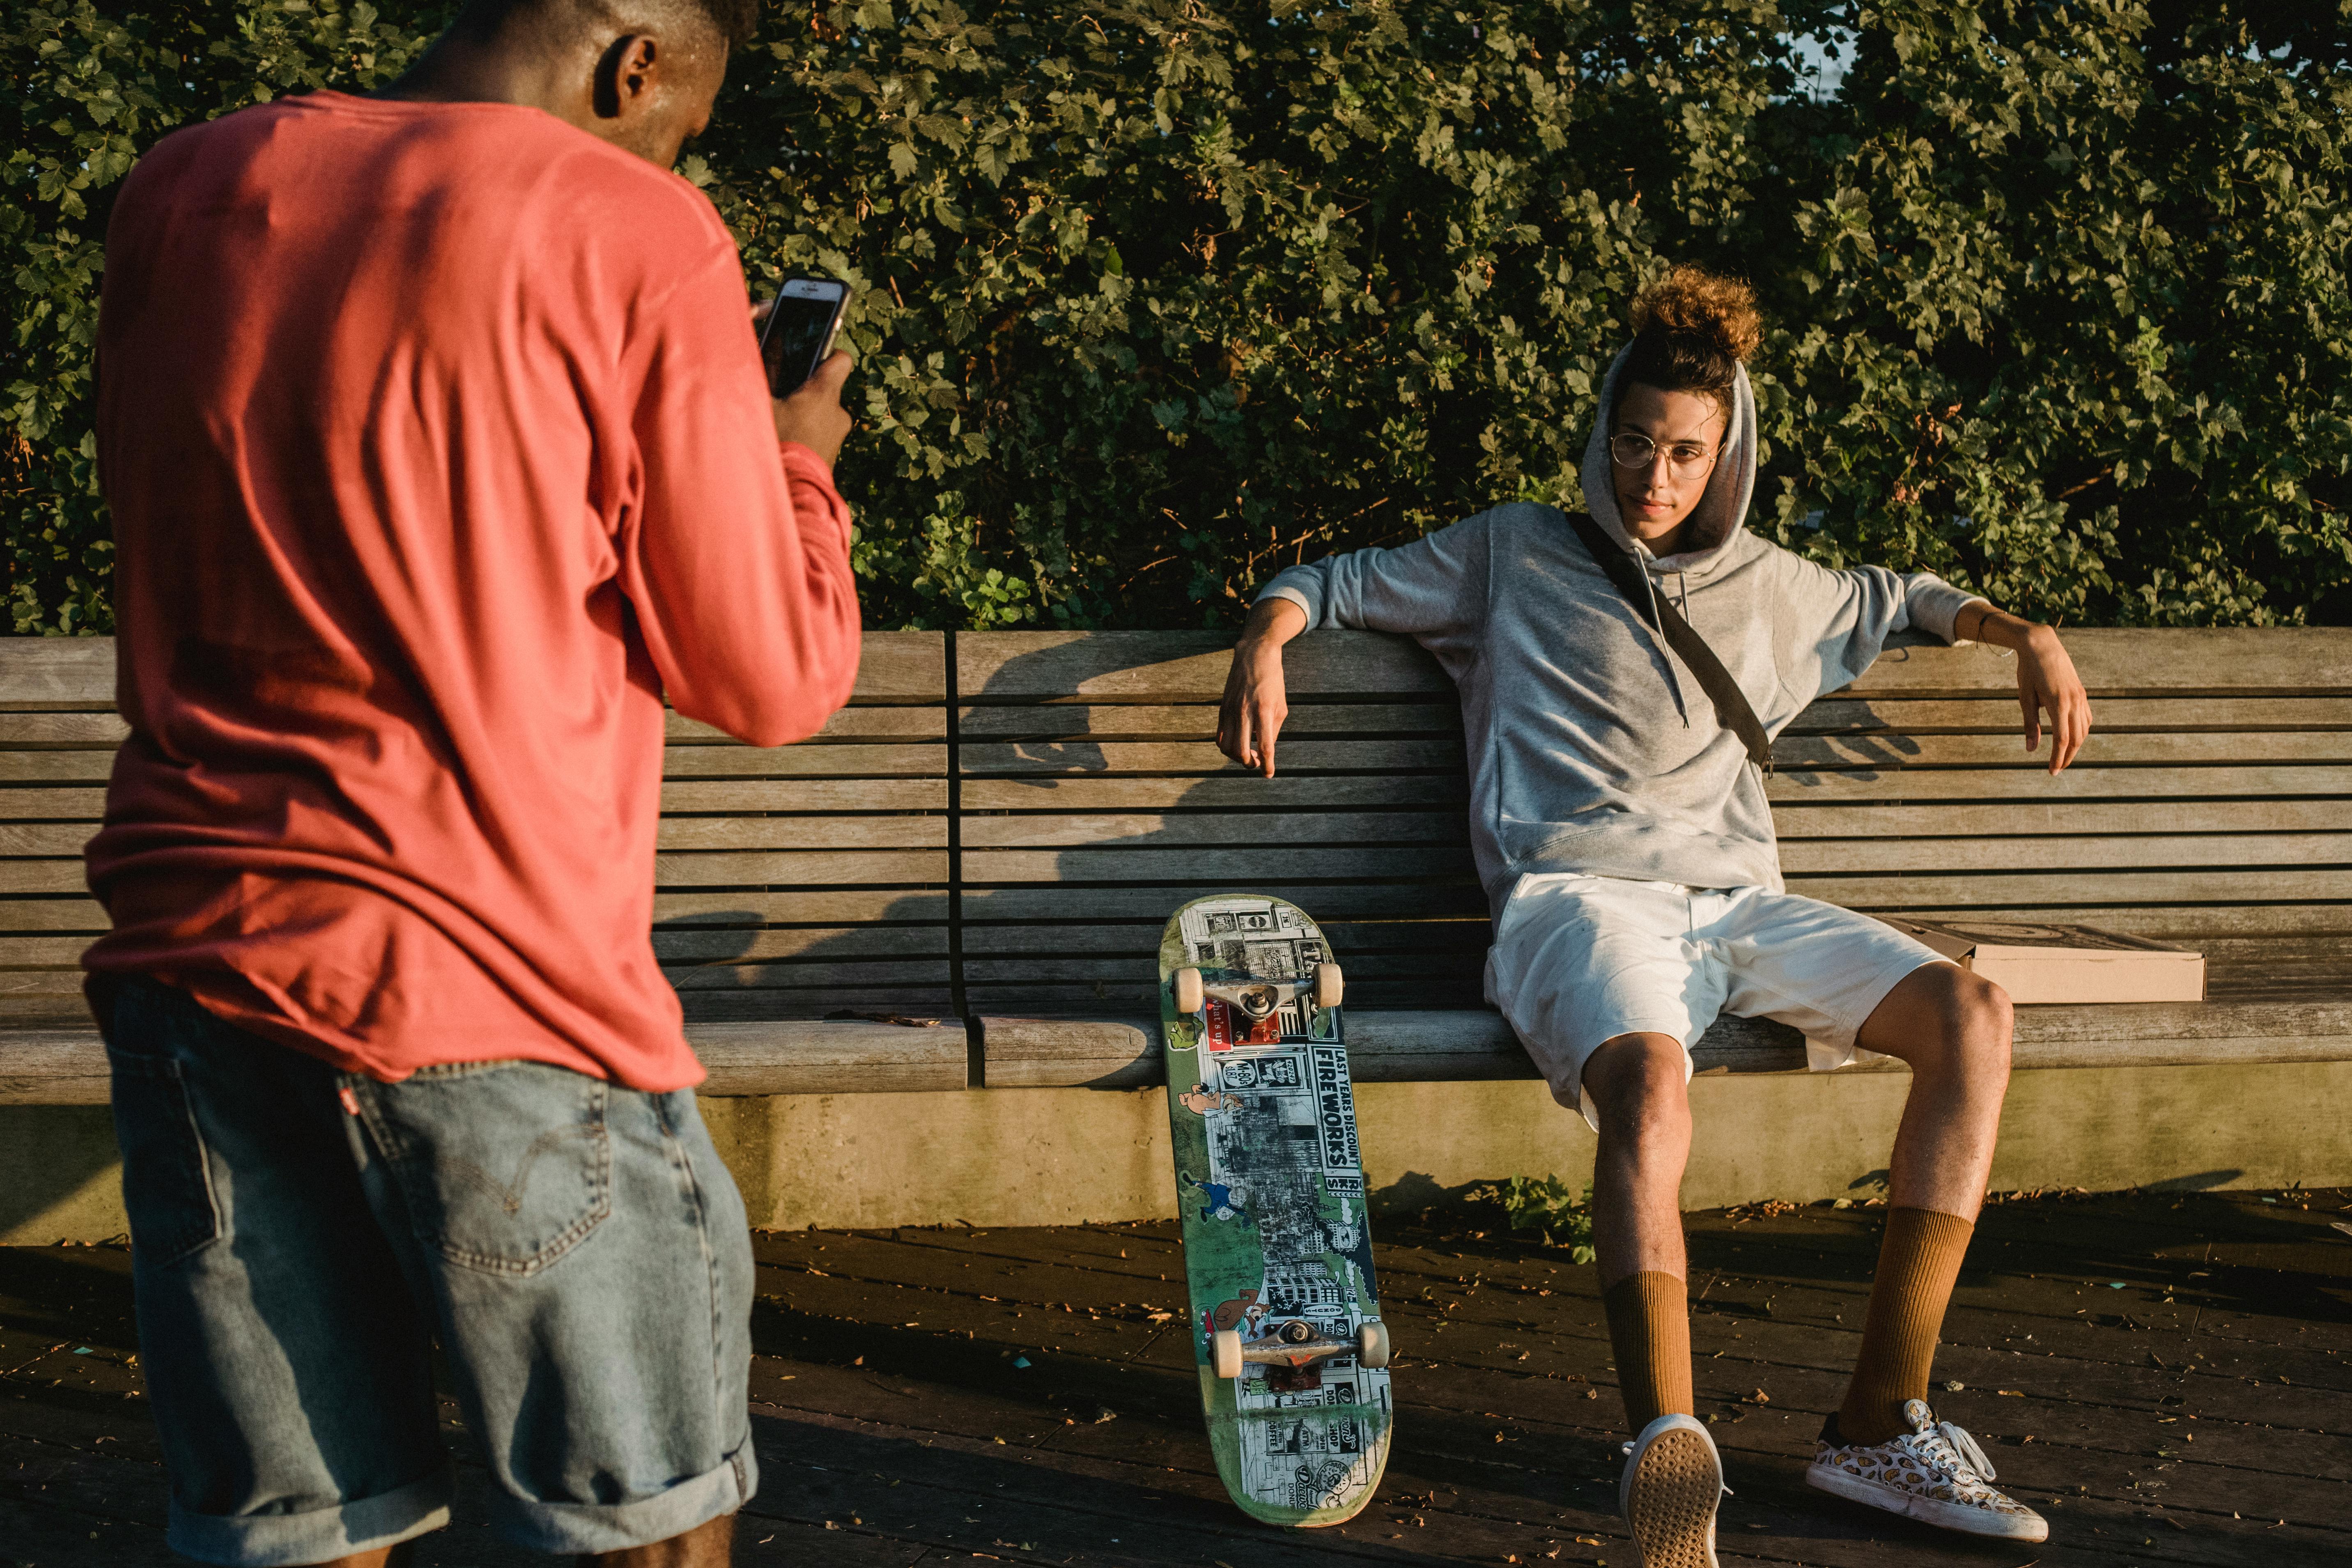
1730,703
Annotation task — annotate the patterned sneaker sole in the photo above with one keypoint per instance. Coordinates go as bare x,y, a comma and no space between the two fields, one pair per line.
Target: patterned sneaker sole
1670,1506
1953,1516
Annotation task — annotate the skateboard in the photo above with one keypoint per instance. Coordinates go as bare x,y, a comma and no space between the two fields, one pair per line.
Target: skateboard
1286,1319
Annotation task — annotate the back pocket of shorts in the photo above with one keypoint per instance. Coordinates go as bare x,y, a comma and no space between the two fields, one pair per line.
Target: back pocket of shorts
167,1187
506,1165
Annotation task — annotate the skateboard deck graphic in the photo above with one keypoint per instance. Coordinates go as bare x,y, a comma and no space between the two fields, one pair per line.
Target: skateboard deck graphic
1270,1187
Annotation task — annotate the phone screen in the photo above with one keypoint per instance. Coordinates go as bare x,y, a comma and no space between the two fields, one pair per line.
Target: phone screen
798,332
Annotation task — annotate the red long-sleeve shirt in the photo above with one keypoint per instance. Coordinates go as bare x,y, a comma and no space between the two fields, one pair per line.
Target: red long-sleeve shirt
438,449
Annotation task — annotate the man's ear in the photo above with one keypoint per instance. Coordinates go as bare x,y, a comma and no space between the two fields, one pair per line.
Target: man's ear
623,74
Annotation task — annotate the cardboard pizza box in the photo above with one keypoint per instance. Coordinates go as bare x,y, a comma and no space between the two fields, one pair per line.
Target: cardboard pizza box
2065,963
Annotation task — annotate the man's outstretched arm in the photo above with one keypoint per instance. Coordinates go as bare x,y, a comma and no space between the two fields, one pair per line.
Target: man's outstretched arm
2046,681
1256,701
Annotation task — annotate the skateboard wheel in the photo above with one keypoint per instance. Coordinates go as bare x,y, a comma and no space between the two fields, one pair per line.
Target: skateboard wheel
1225,1350
1372,1344
1326,985
1189,997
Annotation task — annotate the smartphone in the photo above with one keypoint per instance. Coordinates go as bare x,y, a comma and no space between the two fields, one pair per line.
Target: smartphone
799,331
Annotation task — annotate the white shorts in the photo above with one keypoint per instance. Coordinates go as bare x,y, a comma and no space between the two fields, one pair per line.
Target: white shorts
1579,960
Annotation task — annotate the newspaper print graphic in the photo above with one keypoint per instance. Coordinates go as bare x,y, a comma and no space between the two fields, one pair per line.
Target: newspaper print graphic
1284,1156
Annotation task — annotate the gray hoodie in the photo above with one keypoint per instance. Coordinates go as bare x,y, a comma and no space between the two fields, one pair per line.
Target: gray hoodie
1592,748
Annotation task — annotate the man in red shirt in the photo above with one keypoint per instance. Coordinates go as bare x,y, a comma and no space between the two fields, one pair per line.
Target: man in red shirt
439,453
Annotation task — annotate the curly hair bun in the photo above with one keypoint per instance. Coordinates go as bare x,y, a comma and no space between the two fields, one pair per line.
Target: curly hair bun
1692,330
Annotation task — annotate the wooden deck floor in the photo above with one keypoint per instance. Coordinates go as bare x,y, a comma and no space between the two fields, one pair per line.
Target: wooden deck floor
2165,1376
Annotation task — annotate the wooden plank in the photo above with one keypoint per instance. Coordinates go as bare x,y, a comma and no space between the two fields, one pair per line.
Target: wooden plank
809,759
1880,856
808,869
1183,866
902,667
815,1003
1348,938
79,672
1284,791
807,906
1446,827
1200,757
1810,752
48,951
2023,890
56,672
1999,715
81,914
45,837
1455,968
2177,922
1398,1045
54,1066
57,767
847,724
42,876
37,731
709,944
880,976
1199,721
828,796
1792,785
61,804
1179,666
1068,905
2289,661
770,832
828,1057
2040,817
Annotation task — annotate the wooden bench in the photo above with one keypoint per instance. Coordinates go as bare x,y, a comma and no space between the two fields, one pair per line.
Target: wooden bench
985,844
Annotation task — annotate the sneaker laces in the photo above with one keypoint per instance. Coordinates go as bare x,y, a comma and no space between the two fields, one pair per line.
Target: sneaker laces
1964,1448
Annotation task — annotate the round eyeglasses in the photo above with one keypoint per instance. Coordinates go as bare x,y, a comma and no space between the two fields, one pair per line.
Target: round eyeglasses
1687,459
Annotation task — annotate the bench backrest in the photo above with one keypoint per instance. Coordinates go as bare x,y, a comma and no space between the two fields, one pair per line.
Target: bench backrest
1001,822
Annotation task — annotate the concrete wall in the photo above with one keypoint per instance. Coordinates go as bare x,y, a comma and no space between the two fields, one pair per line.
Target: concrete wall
1055,1156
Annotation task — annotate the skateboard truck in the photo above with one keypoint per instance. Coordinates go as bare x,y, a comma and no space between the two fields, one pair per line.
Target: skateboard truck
1253,998
1296,1344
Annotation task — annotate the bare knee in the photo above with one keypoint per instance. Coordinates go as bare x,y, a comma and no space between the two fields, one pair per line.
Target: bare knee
1974,1019
1641,1090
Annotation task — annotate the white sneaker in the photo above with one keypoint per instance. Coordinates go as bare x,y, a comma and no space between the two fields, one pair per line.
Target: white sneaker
1673,1478
1934,1473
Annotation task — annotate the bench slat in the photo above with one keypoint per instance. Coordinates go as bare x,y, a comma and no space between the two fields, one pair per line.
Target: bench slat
2059,818
806,906
845,724
2114,715
2023,890
882,760
1199,720
1445,826
1796,785
794,833
1176,866
1292,791
812,869
814,795
1889,855
879,975
709,944
1078,905
1200,757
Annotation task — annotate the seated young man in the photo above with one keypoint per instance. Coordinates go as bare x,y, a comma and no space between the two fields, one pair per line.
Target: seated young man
1621,832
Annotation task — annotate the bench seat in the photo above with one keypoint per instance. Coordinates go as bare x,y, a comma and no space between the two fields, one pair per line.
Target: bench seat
984,844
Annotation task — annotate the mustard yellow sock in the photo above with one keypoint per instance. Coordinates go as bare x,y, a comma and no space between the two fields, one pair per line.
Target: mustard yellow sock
1918,1263
1649,1325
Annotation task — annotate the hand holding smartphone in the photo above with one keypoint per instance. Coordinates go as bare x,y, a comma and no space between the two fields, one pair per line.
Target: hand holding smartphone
798,334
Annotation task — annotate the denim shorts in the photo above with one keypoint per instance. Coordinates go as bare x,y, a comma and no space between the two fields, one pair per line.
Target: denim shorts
303,1238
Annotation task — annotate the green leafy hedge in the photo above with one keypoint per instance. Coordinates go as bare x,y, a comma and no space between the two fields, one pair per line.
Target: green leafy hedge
1154,298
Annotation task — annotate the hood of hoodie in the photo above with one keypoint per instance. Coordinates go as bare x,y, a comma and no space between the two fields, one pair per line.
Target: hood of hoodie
1721,512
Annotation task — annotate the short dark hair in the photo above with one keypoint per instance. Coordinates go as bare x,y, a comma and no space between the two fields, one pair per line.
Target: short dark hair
735,20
